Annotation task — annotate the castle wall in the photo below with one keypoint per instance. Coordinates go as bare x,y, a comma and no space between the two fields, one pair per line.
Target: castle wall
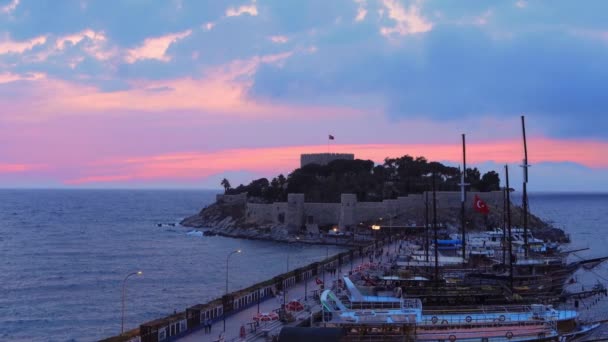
294,218
279,209
232,199
259,213
323,158
322,213
348,210
295,213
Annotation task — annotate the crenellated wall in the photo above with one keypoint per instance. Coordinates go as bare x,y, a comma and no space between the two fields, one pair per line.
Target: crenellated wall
295,213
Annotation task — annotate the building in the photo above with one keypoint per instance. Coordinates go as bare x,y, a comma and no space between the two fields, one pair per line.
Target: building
324,158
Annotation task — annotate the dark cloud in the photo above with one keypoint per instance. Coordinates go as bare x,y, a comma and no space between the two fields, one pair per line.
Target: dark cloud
455,71
125,22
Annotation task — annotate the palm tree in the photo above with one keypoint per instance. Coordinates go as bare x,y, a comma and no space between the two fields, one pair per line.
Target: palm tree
226,184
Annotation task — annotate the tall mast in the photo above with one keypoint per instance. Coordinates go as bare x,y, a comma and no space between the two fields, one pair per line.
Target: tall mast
504,227
435,229
525,190
509,228
426,225
463,197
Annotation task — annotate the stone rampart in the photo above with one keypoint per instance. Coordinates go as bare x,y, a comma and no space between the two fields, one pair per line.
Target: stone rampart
295,213
231,199
259,213
322,213
323,158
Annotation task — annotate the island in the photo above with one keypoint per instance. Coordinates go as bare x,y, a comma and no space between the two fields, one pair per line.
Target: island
333,198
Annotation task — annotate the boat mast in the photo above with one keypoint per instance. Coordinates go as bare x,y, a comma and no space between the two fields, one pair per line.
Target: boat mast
463,197
525,190
509,228
426,225
435,231
504,227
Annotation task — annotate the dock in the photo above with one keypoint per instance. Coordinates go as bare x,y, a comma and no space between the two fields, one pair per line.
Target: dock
266,330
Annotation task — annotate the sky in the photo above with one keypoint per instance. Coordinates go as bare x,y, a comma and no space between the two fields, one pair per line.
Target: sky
182,93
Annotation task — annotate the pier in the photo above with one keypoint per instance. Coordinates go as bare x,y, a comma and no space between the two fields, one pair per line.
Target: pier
267,297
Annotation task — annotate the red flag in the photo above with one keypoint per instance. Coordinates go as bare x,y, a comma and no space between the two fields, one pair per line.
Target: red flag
331,137
480,205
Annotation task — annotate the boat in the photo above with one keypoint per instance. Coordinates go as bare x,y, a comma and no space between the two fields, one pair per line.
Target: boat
408,320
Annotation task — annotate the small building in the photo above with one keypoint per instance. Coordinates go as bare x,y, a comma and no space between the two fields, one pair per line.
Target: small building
324,158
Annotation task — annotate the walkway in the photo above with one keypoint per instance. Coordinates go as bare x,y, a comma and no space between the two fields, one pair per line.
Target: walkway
234,322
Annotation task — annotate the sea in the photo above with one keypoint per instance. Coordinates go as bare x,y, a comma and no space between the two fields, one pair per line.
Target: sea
65,253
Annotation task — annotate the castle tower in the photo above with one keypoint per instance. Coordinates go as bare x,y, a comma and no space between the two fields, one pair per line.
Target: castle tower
323,158
348,205
294,219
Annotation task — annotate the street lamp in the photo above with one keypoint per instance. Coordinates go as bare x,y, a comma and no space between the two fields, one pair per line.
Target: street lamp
124,288
228,259
375,228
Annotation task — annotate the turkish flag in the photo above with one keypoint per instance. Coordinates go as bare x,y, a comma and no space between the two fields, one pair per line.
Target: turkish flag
480,205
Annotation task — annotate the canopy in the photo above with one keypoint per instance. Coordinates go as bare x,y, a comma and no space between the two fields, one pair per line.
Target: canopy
295,334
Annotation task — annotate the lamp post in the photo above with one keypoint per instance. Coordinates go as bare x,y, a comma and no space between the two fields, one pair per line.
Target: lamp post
124,288
375,228
285,283
227,260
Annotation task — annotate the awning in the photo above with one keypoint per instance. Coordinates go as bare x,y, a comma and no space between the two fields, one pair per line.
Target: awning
296,334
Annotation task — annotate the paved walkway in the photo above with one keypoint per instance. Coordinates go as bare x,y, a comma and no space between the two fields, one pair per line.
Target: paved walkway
234,322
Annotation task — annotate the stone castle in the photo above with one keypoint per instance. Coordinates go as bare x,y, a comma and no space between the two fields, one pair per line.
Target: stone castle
296,214
324,158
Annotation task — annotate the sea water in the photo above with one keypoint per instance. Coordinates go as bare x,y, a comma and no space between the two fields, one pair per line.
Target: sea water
64,255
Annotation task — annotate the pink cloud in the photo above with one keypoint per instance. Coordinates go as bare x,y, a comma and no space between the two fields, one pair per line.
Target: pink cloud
222,90
10,7
155,48
407,21
251,9
272,160
279,39
9,77
7,45
15,168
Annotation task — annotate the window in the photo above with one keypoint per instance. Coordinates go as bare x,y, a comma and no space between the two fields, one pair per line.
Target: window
281,218
162,334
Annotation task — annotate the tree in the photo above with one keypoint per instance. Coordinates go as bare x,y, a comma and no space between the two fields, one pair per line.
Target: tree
490,181
226,184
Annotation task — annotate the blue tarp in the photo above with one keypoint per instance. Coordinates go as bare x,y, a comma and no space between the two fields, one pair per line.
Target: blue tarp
448,242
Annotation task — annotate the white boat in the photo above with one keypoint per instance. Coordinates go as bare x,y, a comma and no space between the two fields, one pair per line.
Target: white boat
523,323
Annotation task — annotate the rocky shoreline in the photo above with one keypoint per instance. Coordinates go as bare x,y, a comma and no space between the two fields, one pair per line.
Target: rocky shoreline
228,219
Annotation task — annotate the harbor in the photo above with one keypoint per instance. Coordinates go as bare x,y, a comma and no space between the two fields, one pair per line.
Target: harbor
380,290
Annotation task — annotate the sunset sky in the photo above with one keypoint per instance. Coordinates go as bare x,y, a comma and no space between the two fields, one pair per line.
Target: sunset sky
182,93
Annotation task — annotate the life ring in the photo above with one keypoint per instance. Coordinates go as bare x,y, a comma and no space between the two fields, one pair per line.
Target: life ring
468,319
434,319
509,335
452,338
502,318
445,321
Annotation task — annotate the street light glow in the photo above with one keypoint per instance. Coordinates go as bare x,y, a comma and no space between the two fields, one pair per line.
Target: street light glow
376,227
140,272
